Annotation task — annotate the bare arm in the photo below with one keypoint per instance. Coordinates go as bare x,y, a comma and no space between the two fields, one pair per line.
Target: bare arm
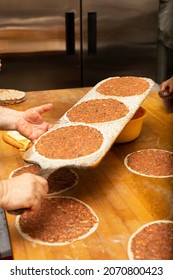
8,118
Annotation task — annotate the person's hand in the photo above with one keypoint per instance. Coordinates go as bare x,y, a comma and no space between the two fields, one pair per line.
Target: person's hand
24,191
168,84
31,123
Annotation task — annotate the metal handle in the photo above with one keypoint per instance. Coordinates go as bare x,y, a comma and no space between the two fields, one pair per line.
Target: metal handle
17,211
70,33
92,33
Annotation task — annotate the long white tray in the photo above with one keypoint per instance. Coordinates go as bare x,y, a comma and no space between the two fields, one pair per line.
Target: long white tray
110,131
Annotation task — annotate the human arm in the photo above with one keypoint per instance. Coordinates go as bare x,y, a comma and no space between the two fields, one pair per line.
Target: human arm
24,191
29,123
168,84
27,190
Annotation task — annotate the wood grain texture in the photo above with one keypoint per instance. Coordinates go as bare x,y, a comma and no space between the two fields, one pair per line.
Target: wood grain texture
123,201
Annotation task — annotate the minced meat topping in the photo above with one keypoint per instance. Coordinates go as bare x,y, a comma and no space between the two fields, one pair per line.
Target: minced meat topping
32,168
98,110
69,142
60,219
123,86
151,162
60,179
154,242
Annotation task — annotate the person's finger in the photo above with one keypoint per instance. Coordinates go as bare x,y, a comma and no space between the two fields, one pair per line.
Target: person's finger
44,108
36,112
34,115
41,189
163,86
43,182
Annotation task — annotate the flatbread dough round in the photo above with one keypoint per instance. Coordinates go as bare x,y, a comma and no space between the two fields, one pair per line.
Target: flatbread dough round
97,110
69,142
62,180
59,221
29,168
152,241
11,96
124,86
150,163
59,180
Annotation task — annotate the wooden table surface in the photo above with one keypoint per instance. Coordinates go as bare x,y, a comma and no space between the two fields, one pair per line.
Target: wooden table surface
122,200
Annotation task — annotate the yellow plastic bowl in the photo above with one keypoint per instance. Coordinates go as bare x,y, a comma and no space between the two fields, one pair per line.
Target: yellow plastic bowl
133,128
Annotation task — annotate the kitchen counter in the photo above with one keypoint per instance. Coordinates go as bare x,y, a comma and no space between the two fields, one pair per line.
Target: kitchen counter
123,201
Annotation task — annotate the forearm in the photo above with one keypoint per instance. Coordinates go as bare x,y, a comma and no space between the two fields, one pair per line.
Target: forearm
9,118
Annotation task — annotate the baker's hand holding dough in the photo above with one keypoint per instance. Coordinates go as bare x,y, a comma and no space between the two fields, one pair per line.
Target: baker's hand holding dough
24,191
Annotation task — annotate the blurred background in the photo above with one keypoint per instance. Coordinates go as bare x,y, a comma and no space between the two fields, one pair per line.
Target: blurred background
47,44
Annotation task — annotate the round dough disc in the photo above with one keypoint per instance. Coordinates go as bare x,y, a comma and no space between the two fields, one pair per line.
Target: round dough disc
69,142
150,163
98,110
59,180
124,86
152,241
59,221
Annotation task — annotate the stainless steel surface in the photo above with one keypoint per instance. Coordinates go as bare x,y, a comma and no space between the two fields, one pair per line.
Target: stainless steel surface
166,23
165,41
112,38
32,26
5,247
126,39
33,45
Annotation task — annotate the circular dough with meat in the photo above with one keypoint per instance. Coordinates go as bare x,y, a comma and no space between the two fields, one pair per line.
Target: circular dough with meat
69,142
62,180
124,86
150,163
59,180
29,168
59,221
98,110
11,96
152,241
